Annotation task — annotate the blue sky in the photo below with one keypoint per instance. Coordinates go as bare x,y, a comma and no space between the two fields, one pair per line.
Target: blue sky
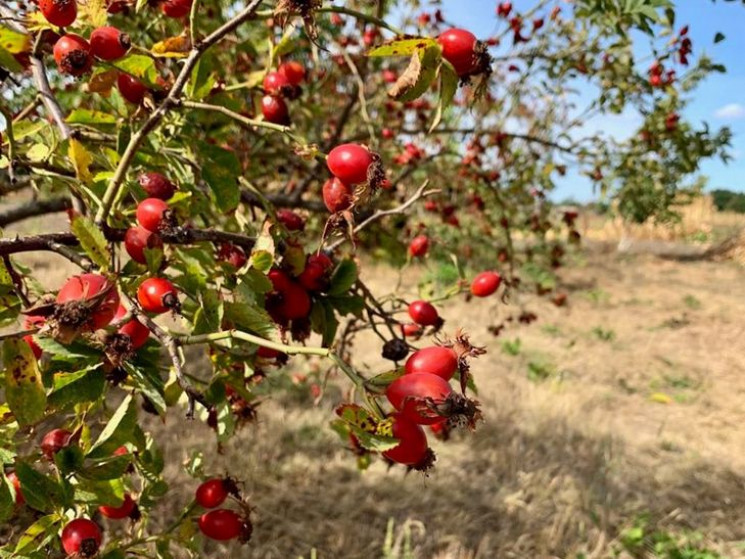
720,100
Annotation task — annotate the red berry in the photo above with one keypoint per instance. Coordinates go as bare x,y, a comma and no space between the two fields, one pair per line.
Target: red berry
152,214
412,330
13,479
655,80
157,295
132,89
73,55
156,185
291,220
275,110
295,302
485,284
293,71
221,524
211,493
389,76
419,246
121,451
122,511
59,12
423,313
81,538
137,239
138,335
108,43
412,394
89,286
37,351
412,445
233,255
267,353
336,195
387,133
313,277
176,8
350,163
117,6
435,360
458,48
275,83
54,441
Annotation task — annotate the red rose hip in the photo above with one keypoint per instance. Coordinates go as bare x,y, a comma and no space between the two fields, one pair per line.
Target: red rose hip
176,8
350,163
419,246
152,214
73,55
412,442
157,185
59,12
157,295
414,394
436,360
108,43
81,538
211,493
275,110
336,195
137,239
122,511
54,441
221,524
459,48
423,313
485,284
94,290
132,89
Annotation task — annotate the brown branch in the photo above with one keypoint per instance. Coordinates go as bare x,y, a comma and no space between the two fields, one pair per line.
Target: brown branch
525,137
34,208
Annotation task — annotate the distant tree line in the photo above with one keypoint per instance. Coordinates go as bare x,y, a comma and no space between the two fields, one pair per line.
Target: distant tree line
729,201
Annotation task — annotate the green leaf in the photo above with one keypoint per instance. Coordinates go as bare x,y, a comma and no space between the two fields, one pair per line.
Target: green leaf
418,76
87,116
149,382
448,87
41,492
100,492
74,388
118,430
343,277
91,240
252,318
140,66
403,47
13,41
114,468
324,321
7,498
38,535
202,79
69,459
24,391
9,62
220,169
208,317
384,379
348,304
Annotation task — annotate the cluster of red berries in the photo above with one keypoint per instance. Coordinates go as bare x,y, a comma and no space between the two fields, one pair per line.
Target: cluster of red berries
222,524
352,165
658,77
284,83
686,46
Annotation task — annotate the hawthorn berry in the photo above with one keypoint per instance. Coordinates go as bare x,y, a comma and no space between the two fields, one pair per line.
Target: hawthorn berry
137,239
73,55
350,163
108,43
124,510
81,537
416,396
275,110
54,441
138,333
423,313
336,195
16,483
221,524
412,442
132,89
291,220
59,12
153,214
419,246
435,360
459,48
176,8
293,71
156,185
92,298
211,493
276,83
485,283
157,295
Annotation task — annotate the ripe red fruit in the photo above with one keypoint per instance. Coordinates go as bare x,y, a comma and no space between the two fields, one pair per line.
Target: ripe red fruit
13,479
54,441
152,214
176,8
389,76
412,446
211,493
423,313
221,524
485,284
268,353
350,163
73,55
157,295
313,277
336,195
92,286
233,255
412,330
275,83
138,335
81,537
132,89
122,511
293,71
59,12
419,246
291,220
295,302
156,185
108,43
275,110
435,360
412,394
137,239
459,48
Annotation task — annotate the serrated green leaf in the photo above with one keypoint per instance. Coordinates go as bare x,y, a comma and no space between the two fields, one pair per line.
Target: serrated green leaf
348,304
114,468
140,66
343,277
39,534
251,317
24,391
100,492
41,492
208,317
7,497
91,240
403,47
118,430
70,389
221,167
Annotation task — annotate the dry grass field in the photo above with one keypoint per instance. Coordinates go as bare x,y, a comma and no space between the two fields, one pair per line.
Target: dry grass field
627,403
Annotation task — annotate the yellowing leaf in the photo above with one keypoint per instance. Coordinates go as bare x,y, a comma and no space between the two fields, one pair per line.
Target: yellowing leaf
81,160
92,240
24,391
13,41
172,47
102,82
403,47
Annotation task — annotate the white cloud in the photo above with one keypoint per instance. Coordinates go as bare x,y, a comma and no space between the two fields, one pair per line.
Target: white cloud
731,111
